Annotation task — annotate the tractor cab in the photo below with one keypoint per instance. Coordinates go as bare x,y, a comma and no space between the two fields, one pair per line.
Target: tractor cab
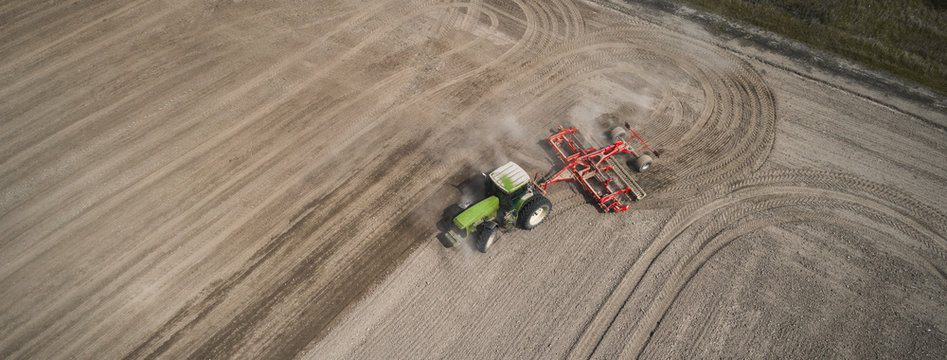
509,183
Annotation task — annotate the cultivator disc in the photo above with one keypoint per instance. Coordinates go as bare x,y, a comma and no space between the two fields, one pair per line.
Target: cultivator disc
597,170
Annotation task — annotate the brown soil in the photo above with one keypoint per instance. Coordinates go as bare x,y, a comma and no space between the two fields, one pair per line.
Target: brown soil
263,179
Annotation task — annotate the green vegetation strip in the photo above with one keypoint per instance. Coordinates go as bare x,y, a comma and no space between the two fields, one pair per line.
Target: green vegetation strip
905,38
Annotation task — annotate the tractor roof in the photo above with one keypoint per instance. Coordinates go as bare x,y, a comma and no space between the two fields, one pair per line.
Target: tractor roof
509,177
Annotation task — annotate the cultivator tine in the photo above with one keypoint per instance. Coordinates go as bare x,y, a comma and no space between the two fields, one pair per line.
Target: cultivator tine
595,170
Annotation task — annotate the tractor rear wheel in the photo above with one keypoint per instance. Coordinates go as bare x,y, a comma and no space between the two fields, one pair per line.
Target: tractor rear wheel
533,212
489,233
643,163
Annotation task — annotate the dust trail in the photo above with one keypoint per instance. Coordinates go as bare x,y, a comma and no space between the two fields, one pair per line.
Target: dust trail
492,142
612,103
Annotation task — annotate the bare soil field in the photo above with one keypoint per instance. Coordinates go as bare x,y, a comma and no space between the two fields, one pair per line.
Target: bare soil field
263,179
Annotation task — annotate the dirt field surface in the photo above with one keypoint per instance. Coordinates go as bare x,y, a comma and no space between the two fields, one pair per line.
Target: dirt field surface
263,179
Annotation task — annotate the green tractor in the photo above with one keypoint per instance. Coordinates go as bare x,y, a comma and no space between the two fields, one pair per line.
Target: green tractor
512,201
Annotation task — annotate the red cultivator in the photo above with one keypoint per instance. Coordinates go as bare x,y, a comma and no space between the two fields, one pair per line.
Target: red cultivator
597,170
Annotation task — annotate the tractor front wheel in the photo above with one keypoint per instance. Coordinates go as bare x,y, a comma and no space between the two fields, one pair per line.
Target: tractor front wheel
534,211
489,232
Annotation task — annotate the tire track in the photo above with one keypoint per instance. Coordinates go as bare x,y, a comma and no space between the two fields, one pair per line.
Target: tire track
714,242
472,15
24,214
58,136
733,134
51,20
266,307
261,79
243,177
255,287
778,190
574,17
50,69
227,340
117,83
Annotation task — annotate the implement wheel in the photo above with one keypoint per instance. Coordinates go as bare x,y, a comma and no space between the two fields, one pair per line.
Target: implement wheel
489,233
643,163
619,134
533,212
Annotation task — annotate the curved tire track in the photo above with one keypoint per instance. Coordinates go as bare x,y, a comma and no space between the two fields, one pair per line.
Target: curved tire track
720,221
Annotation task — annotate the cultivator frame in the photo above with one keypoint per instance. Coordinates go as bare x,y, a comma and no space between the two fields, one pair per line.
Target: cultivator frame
596,170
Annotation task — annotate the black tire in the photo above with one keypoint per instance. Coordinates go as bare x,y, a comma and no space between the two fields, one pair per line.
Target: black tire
448,242
619,133
534,212
489,233
643,163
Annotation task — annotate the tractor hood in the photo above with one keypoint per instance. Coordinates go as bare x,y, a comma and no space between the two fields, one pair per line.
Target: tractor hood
474,214
510,177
